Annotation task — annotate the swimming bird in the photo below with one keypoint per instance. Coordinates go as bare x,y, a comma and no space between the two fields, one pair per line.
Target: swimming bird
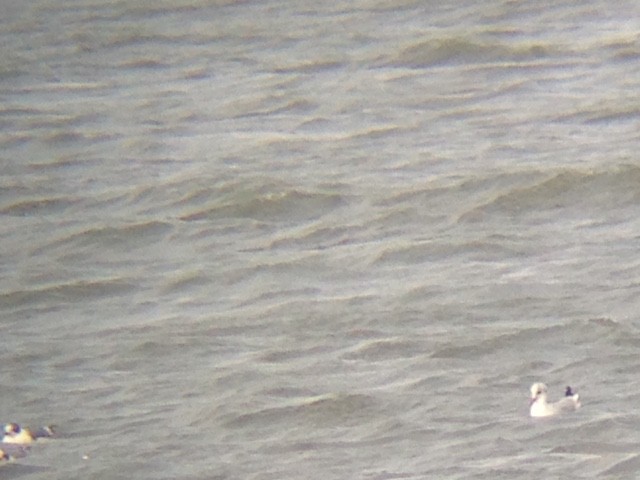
539,407
45,431
14,433
9,451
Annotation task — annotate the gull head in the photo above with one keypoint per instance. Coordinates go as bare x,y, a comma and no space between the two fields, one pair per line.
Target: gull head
12,429
538,391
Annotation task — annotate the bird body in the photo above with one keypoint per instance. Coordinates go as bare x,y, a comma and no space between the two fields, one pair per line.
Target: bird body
540,407
14,433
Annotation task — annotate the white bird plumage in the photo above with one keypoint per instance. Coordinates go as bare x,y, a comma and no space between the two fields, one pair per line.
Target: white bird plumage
16,434
540,407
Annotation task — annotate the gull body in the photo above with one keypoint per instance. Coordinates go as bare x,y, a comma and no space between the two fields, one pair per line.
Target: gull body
14,433
540,407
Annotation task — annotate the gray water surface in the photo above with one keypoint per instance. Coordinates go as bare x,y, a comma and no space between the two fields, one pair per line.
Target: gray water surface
278,240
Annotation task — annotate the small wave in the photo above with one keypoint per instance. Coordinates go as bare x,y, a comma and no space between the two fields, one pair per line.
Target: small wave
327,410
619,111
626,468
289,392
184,282
78,291
429,251
581,332
310,67
287,205
43,206
129,236
383,350
607,111
268,106
625,49
289,355
144,63
584,190
64,137
455,50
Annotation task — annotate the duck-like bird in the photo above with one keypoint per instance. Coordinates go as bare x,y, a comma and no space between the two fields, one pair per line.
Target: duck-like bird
540,407
14,433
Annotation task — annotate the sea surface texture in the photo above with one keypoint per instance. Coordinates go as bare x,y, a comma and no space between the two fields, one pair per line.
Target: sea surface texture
269,240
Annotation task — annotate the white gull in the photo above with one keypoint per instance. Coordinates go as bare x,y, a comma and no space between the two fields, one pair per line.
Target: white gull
539,407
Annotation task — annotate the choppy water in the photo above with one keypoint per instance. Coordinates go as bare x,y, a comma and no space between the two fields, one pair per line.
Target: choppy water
270,240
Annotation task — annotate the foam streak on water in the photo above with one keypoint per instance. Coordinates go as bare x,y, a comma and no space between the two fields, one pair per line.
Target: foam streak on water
272,240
